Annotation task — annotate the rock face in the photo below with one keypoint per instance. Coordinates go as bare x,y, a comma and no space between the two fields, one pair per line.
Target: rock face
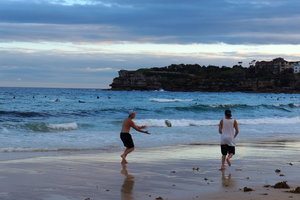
150,80
212,79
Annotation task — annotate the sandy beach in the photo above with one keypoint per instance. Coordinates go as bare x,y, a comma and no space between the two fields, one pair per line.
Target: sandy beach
177,172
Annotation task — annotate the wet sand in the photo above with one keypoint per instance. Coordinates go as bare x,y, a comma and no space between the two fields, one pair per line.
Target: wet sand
178,172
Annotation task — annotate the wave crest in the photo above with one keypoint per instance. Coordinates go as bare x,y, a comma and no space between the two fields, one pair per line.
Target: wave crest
23,114
217,107
170,100
45,127
191,122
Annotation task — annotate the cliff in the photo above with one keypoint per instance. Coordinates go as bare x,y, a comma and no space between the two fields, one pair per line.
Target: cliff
212,78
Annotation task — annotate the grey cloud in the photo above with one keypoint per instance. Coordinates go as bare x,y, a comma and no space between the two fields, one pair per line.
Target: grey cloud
168,21
59,32
56,69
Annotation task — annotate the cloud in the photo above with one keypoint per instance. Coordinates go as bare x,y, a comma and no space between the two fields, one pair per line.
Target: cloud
82,43
169,21
57,68
59,33
89,69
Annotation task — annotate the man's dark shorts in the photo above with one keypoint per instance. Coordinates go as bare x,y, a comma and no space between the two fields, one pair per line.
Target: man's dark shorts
127,140
225,149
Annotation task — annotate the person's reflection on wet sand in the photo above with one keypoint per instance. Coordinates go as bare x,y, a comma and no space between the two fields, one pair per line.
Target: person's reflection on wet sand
227,181
127,187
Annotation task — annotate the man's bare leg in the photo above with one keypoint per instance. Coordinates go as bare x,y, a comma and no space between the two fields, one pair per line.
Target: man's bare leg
228,159
126,152
223,163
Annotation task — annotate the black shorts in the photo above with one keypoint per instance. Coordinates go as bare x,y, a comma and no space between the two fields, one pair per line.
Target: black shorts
127,140
225,149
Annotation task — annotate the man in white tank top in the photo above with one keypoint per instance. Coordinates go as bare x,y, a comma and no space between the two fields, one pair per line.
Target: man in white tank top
228,128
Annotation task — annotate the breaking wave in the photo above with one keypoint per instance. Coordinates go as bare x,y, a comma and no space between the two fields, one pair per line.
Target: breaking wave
46,127
9,150
22,114
217,107
191,122
170,100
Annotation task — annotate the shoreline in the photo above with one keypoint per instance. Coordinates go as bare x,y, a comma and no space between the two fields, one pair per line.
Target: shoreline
178,172
110,89
207,91
288,143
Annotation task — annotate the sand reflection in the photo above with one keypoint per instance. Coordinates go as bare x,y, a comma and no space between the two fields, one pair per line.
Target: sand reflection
128,184
227,181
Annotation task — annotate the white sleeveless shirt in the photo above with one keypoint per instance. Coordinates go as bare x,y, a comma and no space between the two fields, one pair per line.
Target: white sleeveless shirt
227,136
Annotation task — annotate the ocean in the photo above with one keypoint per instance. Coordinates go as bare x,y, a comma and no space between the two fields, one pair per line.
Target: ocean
63,120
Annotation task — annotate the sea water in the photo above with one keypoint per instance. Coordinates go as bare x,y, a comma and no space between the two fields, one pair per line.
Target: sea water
47,119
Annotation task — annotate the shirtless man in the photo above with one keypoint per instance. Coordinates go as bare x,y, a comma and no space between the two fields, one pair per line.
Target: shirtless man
126,136
228,128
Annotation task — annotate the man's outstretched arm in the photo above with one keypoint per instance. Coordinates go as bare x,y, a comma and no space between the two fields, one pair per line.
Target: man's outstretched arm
139,129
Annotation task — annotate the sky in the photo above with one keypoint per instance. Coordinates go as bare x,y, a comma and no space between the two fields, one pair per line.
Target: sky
84,43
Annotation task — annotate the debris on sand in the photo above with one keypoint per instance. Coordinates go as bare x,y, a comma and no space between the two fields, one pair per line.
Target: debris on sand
87,199
195,168
267,186
246,189
291,164
265,194
277,171
282,184
297,190
159,198
281,175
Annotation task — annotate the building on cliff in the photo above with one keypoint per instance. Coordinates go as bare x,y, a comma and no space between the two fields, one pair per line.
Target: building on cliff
275,66
296,66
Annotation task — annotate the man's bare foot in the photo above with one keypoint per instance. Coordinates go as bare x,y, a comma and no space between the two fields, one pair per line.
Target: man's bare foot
222,168
228,162
123,156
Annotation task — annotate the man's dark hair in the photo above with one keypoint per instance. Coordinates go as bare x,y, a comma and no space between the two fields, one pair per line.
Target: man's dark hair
228,113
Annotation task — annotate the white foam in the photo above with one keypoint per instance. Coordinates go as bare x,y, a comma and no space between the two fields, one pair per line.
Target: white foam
170,100
191,122
222,105
4,130
176,122
267,120
65,126
8,150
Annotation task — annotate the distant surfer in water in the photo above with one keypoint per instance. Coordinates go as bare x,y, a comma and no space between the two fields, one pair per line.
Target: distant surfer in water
126,136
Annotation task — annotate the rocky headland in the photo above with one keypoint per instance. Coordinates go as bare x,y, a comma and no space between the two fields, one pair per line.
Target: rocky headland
187,77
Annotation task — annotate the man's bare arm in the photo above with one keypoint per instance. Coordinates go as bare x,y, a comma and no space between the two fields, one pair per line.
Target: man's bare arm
235,125
142,127
220,126
137,128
